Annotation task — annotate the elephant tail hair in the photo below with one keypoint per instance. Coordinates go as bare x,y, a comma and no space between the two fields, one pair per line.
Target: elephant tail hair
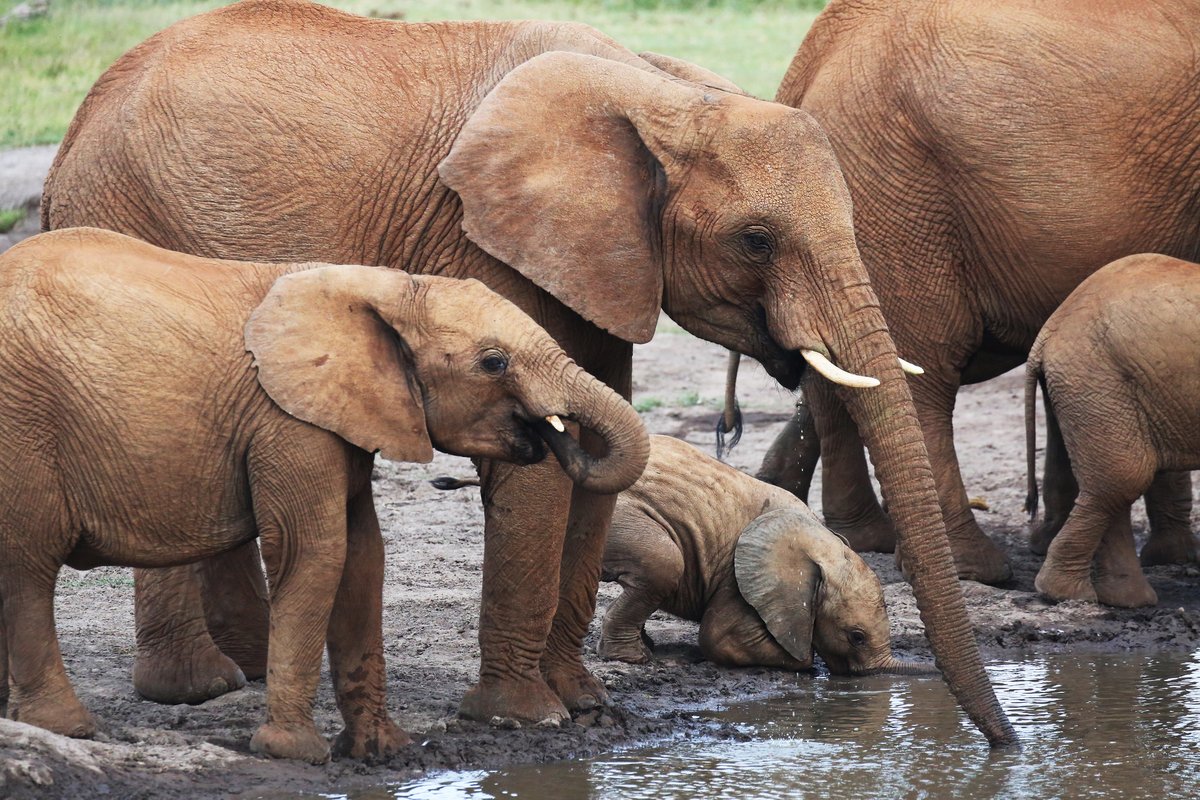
1033,376
447,482
730,420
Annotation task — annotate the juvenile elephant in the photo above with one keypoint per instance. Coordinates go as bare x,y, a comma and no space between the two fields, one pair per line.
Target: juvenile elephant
135,430
766,580
997,153
1119,362
589,185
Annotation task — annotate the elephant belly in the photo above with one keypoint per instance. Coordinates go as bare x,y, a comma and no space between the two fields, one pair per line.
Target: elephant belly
181,540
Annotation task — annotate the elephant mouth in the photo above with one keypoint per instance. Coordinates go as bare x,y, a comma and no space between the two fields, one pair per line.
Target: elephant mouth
784,365
527,446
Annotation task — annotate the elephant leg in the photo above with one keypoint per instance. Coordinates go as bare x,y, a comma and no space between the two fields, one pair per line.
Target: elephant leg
525,517
1066,574
1059,488
976,557
792,458
177,660
648,564
1119,580
732,633
847,497
304,547
3,664
41,693
1169,507
236,608
355,640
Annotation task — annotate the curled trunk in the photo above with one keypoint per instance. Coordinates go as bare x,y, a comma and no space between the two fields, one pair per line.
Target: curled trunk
596,407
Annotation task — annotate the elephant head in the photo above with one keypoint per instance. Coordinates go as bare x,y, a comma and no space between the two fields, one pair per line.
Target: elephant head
620,188
402,364
813,592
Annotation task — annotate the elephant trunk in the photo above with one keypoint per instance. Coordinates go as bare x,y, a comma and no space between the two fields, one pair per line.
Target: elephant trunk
890,665
854,328
599,409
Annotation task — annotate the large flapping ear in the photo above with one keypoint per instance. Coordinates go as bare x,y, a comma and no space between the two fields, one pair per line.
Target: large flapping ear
690,72
776,576
560,174
330,350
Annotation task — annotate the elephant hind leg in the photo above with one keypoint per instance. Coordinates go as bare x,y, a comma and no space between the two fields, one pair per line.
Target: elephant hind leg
1119,578
41,693
791,460
1066,573
1169,506
648,564
177,660
236,606
1059,488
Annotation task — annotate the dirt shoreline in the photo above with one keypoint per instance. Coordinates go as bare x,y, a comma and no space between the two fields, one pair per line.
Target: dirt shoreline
434,550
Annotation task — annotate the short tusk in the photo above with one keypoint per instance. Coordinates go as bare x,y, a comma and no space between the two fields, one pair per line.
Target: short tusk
910,368
835,373
556,423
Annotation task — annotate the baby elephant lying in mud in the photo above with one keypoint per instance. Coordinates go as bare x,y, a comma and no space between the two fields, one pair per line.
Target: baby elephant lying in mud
766,580
1119,362
135,430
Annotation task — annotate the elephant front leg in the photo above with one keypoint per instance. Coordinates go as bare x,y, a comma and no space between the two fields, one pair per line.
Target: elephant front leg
1169,507
579,580
791,460
177,660
847,498
649,566
355,640
525,518
976,557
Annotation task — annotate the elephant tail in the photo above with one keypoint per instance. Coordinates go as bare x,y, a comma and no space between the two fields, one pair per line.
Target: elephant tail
1033,376
730,420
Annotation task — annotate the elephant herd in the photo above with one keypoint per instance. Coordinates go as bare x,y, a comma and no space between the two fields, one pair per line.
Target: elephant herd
196,372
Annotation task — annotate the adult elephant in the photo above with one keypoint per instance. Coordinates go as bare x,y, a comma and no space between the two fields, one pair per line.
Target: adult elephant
997,154
585,183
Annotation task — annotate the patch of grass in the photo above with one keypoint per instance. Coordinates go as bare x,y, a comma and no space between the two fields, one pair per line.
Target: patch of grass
688,399
9,217
647,404
47,64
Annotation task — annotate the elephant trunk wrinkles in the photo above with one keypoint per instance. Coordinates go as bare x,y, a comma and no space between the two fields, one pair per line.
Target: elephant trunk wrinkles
901,666
596,407
887,421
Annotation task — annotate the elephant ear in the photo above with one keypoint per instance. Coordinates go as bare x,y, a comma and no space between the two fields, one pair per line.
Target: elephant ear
776,575
690,72
330,349
560,175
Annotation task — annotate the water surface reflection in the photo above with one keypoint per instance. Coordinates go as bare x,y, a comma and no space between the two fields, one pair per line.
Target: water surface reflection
1091,726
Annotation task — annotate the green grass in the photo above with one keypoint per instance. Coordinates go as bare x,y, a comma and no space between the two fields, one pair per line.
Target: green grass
48,64
10,217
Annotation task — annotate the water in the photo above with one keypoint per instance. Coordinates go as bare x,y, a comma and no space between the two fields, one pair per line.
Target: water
1091,726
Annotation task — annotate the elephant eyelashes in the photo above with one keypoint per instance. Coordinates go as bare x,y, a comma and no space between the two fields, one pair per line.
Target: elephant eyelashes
494,364
856,637
758,245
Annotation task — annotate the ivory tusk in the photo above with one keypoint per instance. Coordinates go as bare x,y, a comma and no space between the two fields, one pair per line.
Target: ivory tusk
910,368
835,373
556,423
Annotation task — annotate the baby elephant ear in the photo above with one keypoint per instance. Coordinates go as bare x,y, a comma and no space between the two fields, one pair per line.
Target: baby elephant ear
776,575
330,349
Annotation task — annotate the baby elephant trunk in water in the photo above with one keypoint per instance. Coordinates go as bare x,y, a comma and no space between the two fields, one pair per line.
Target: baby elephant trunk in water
600,410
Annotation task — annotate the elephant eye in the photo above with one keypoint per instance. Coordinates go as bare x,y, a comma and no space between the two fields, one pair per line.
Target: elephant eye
857,638
494,364
757,244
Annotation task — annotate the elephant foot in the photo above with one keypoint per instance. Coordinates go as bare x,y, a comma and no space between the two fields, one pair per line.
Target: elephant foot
1125,591
875,535
299,742
371,742
631,651
200,675
1173,547
579,689
980,559
1055,584
527,700
1041,536
245,648
66,716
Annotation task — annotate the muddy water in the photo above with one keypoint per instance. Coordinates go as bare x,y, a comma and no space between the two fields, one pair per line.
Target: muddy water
1091,726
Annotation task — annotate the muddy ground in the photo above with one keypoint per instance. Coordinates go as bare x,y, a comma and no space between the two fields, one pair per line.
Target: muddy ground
434,546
